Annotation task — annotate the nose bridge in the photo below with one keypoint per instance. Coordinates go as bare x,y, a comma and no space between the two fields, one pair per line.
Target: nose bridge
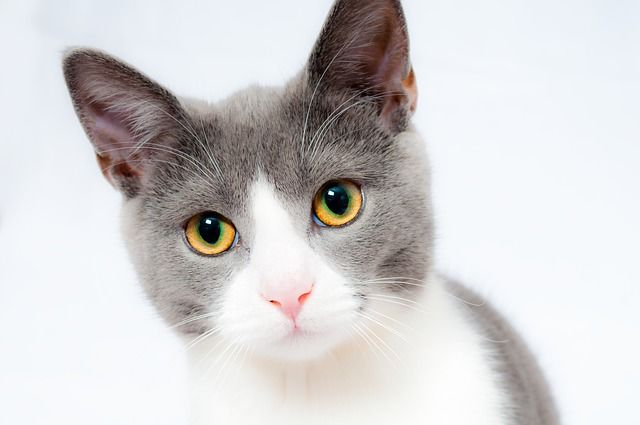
282,261
278,251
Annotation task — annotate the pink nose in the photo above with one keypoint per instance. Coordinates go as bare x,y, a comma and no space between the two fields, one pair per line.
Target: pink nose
288,300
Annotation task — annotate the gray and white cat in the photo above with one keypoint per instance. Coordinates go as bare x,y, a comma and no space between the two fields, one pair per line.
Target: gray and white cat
287,234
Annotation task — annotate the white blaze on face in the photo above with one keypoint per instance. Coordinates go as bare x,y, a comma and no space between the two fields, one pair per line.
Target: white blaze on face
285,264
287,302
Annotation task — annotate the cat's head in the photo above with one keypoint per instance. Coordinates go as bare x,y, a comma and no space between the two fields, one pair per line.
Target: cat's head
284,219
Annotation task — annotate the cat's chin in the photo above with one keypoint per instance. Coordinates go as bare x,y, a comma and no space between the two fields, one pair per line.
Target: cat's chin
300,346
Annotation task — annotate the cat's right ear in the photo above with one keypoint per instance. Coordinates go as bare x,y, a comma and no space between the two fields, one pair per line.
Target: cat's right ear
363,50
127,116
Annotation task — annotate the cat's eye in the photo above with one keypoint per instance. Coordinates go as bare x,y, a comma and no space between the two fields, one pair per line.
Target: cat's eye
337,203
210,233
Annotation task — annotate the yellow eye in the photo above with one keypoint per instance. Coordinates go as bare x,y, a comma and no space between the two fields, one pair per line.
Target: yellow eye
337,203
210,234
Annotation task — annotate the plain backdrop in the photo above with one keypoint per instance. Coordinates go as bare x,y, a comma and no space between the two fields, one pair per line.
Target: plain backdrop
531,113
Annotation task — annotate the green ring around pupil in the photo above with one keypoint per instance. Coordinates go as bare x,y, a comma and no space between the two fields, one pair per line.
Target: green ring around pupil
210,230
335,203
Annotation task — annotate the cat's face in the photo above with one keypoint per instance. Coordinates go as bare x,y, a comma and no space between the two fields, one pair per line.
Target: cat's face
286,219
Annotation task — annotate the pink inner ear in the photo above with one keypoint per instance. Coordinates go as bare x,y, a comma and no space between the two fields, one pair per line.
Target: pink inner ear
385,53
115,145
394,76
112,137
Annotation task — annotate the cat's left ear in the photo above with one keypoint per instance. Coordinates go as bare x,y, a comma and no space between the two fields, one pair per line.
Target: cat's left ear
363,50
129,118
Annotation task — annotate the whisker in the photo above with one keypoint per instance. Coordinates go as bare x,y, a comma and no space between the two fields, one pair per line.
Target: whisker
306,119
326,125
167,149
189,130
192,319
394,297
218,359
409,306
391,319
384,343
209,353
421,284
354,96
395,278
366,332
201,338
382,325
366,339
223,371
207,148
173,164
334,111
315,164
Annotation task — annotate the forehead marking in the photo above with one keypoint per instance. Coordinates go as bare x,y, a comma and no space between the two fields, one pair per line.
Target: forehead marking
267,209
277,246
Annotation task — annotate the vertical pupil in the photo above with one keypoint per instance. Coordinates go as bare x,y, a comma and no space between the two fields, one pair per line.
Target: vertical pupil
337,199
209,229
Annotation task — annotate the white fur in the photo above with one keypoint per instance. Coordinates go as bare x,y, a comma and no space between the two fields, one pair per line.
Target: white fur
416,363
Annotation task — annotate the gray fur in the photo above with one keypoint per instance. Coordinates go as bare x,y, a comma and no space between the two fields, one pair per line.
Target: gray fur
183,157
522,379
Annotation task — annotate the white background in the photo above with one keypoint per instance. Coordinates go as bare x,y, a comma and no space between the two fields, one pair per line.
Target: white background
531,110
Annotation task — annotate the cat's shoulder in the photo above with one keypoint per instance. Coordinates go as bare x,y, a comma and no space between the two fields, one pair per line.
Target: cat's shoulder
520,375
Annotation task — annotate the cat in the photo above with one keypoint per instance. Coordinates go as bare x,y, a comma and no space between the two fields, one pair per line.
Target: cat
287,235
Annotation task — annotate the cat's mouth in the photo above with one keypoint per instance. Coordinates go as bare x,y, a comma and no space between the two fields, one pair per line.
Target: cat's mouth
298,331
302,340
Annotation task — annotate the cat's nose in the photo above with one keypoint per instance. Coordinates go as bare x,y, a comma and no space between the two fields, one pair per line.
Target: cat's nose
288,299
